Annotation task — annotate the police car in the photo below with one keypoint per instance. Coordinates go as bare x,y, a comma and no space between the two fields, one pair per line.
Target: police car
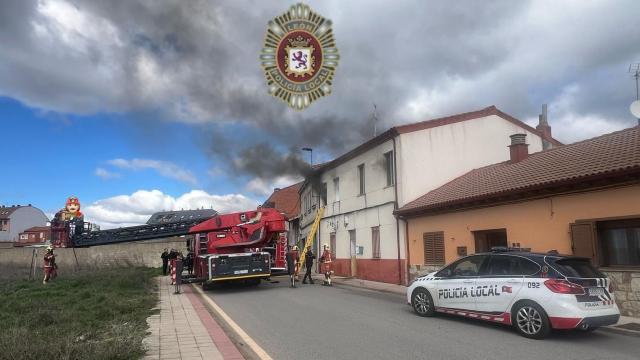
534,292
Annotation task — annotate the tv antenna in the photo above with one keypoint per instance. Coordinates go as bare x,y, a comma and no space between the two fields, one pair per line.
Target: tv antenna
635,106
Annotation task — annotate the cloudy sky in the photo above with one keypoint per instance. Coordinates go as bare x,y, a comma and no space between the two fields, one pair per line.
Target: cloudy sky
138,106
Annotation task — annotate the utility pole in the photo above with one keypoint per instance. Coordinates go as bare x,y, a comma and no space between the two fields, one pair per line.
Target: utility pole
634,69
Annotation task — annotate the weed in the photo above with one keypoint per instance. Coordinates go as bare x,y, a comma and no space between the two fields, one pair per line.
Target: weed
87,315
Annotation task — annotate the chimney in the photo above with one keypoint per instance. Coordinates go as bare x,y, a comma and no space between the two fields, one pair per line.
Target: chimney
518,148
276,189
544,128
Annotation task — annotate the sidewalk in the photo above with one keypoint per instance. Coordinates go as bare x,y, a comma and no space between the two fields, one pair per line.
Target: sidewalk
184,329
626,325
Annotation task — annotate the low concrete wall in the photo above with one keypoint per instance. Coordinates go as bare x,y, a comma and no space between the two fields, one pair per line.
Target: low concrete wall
17,262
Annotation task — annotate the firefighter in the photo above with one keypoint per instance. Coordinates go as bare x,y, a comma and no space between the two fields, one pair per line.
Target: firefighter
50,265
293,262
308,261
165,261
325,259
189,262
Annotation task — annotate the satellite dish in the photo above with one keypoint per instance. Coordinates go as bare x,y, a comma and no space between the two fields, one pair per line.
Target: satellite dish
635,109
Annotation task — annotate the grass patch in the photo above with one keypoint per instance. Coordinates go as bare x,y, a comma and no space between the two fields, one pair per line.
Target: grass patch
87,315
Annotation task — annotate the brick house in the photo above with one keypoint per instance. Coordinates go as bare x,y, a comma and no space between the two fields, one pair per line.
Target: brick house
287,201
34,235
581,199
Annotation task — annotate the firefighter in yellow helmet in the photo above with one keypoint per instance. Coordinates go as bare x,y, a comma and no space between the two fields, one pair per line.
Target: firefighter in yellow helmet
325,259
50,266
293,264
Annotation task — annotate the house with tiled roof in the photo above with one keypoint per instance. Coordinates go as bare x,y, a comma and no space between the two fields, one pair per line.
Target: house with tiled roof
34,236
581,199
15,219
361,189
287,201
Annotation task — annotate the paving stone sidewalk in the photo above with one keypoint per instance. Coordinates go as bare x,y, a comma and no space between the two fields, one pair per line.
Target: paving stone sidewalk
177,332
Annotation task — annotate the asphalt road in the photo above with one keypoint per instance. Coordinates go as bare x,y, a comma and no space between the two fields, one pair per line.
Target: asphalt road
340,322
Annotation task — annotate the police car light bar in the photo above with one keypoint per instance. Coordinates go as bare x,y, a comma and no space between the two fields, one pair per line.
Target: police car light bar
507,249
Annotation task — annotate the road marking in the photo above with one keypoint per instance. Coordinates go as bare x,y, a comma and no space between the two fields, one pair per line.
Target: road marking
243,335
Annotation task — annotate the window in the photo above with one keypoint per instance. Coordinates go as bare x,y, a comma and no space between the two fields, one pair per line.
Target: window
619,242
607,243
505,265
388,163
375,242
486,239
336,188
332,244
323,194
470,266
361,177
4,225
577,268
433,248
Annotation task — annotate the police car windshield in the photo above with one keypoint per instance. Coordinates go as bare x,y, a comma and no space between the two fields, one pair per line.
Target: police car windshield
580,268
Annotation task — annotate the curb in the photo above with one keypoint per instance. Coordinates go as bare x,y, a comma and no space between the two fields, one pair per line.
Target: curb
617,330
251,349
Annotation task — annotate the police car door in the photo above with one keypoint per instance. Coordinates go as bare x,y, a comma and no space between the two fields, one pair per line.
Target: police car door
457,281
499,286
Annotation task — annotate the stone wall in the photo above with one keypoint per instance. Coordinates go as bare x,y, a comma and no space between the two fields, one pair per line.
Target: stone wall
627,291
17,262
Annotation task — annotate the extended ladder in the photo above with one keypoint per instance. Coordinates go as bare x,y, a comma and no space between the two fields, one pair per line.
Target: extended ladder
312,234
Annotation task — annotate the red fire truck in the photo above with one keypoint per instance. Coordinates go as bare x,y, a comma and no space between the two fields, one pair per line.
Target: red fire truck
246,246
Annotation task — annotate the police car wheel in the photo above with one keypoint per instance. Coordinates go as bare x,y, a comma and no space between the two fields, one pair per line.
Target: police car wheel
530,320
422,302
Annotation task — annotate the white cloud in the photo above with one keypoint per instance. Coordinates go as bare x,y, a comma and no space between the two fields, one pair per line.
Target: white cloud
106,174
262,187
135,209
164,168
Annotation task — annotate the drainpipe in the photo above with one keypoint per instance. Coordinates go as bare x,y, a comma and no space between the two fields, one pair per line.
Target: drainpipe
395,207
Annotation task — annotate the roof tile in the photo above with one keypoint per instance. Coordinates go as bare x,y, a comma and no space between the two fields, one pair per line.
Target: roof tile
613,153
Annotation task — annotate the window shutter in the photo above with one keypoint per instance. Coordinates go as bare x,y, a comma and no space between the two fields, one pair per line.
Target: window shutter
583,240
433,248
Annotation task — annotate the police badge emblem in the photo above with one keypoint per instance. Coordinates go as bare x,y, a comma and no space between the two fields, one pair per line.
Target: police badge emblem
299,57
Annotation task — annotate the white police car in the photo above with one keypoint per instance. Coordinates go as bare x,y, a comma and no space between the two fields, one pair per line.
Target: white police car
534,292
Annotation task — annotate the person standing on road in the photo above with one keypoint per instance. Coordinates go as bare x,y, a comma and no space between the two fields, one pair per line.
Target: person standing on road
325,259
50,265
165,261
308,261
293,261
189,262
178,272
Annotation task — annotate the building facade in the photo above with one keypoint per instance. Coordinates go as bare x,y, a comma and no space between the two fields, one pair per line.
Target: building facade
287,201
34,235
17,218
581,199
361,189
